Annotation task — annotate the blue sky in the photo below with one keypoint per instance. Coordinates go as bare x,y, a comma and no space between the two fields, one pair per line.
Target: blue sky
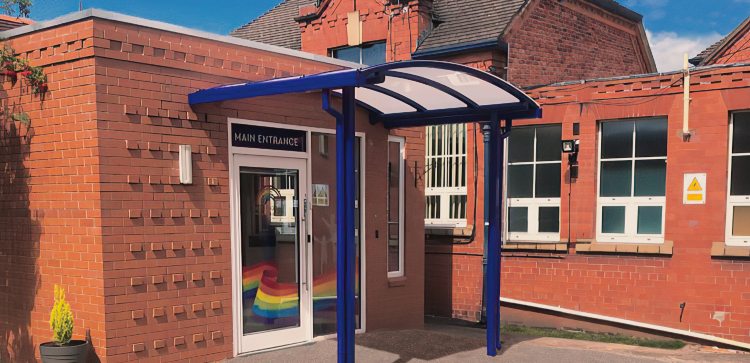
673,26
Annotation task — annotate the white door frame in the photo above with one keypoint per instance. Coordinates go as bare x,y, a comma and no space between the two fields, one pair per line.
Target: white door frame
284,336
235,253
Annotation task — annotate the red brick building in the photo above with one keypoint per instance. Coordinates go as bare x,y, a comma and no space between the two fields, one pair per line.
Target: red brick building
526,42
92,197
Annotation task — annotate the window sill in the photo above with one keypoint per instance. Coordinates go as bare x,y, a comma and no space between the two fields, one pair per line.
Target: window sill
535,246
448,231
397,281
665,248
720,249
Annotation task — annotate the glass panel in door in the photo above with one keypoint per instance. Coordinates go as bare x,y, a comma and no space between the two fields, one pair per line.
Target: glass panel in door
271,223
323,176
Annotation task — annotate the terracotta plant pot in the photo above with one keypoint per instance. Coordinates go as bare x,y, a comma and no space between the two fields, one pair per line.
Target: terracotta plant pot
77,351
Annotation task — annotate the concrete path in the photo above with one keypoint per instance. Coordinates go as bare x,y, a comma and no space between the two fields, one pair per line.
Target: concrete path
442,343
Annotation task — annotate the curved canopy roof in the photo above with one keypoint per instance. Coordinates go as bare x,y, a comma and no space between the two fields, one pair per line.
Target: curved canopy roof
402,94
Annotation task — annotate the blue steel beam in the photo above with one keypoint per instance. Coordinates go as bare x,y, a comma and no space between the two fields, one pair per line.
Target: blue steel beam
279,86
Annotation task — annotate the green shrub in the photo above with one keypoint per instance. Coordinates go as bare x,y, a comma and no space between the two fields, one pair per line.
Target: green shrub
61,319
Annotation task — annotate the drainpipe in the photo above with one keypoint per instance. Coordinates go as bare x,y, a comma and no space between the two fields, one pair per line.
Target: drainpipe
486,139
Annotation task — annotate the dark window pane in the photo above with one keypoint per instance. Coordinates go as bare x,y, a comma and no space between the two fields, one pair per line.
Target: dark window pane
548,146
520,180
613,219
518,219
617,139
741,134
521,145
549,219
350,54
740,175
547,181
615,179
457,207
650,178
373,53
649,220
651,138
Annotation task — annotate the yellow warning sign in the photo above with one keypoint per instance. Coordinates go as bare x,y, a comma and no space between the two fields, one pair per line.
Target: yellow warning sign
694,191
695,186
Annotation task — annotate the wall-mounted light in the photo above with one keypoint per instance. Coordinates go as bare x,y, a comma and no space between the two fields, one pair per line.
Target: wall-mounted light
570,147
186,164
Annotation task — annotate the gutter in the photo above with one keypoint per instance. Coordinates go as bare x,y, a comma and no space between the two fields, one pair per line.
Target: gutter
460,49
631,323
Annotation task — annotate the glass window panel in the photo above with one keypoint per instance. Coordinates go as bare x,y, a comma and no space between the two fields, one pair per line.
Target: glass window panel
613,219
548,146
351,54
520,180
650,177
547,181
457,206
433,207
521,145
741,133
649,220
615,179
740,175
741,221
617,139
373,53
518,219
549,219
651,138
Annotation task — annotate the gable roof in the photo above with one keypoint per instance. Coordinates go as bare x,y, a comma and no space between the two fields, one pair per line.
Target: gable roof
708,55
276,27
458,22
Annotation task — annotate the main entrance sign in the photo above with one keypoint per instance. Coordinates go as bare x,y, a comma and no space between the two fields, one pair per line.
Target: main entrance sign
261,137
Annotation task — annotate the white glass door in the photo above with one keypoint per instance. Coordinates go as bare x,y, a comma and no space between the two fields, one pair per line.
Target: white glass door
269,239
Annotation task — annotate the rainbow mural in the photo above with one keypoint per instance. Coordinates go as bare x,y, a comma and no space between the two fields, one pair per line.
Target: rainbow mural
266,300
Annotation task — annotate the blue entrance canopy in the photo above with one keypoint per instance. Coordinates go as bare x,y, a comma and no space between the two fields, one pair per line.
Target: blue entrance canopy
403,94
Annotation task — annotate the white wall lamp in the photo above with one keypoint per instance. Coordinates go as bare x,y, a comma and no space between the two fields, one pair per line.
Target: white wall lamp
186,164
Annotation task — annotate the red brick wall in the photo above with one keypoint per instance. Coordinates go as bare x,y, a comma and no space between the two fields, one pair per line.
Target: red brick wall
49,195
739,52
553,41
644,288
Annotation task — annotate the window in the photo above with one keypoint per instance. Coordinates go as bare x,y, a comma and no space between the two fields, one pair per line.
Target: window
632,181
395,195
445,176
738,206
533,204
368,53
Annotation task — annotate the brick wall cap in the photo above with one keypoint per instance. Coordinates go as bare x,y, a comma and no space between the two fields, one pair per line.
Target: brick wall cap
158,25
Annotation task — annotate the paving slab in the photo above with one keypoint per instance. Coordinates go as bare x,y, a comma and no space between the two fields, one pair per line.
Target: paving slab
448,343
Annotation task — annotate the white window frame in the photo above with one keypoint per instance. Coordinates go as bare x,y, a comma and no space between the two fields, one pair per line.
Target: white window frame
632,203
734,200
532,204
444,193
402,158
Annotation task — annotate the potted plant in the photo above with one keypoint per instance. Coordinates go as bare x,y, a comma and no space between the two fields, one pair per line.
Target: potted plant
62,348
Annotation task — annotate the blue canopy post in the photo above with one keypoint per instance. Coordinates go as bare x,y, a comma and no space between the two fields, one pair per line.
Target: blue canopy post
397,95
495,191
345,246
